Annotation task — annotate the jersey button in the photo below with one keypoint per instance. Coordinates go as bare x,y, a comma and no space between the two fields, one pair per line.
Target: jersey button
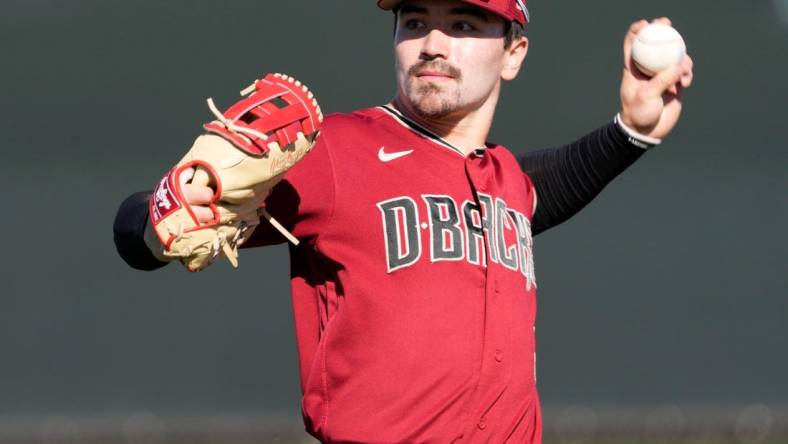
482,424
498,356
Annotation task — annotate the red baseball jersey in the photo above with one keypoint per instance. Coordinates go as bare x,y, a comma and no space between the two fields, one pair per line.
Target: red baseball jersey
413,289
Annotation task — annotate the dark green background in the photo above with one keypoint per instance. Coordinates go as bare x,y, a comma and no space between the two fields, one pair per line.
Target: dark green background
669,289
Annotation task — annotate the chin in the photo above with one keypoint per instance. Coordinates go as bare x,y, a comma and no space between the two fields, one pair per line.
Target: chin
433,103
433,110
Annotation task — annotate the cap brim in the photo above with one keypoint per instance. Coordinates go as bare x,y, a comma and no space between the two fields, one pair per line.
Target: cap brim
391,4
388,4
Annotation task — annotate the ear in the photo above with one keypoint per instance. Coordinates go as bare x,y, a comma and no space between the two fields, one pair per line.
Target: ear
513,58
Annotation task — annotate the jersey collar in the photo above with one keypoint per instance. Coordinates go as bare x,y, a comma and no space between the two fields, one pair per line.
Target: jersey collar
424,132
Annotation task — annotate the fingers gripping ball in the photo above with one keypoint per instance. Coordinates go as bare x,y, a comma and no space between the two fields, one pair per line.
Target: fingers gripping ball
656,48
246,152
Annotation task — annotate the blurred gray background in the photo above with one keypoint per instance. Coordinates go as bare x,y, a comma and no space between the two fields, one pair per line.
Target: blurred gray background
666,296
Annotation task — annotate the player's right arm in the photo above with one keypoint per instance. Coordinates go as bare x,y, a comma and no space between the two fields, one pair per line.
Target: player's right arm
569,177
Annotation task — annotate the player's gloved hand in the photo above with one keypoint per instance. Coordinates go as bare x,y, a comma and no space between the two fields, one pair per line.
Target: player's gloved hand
248,150
652,106
198,197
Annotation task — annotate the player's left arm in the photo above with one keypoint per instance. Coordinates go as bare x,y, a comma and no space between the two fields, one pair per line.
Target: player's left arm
567,178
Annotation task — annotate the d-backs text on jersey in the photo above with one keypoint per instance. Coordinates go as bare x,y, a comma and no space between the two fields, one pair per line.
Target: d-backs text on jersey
457,232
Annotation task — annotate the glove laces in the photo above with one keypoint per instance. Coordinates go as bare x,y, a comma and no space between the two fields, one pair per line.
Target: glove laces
230,123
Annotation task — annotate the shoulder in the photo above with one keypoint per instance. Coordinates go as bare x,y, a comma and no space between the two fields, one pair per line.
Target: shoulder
511,162
360,119
513,171
359,130
501,153
343,135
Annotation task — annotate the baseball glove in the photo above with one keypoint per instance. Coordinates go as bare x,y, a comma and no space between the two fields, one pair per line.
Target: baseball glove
247,150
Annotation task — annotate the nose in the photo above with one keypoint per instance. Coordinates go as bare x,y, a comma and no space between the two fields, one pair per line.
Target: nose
436,45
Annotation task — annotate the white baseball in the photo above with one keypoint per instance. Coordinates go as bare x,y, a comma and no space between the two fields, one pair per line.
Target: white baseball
656,48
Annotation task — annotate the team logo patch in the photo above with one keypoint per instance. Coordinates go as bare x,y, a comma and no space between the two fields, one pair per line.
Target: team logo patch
454,231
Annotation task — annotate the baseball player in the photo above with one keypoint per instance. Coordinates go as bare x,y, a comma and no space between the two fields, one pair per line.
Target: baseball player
413,285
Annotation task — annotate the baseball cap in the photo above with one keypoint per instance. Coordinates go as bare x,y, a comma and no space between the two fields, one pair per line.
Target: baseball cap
509,9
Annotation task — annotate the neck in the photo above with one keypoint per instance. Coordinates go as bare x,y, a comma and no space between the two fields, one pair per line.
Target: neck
466,130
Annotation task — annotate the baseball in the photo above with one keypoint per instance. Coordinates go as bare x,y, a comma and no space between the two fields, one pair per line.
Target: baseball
656,48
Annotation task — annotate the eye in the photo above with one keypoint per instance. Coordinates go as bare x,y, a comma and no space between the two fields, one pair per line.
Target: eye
463,26
413,24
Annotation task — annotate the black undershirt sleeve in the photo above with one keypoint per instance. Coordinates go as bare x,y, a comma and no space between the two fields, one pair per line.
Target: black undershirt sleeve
129,233
567,178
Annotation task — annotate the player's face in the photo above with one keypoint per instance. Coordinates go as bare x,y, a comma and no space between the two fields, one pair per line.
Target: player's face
450,56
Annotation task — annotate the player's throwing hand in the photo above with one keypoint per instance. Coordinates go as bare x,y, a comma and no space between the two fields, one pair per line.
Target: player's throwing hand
652,106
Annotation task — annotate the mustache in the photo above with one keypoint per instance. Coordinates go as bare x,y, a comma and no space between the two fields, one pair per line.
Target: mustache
435,65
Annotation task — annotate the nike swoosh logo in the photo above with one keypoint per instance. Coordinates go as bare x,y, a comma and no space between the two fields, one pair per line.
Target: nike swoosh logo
388,157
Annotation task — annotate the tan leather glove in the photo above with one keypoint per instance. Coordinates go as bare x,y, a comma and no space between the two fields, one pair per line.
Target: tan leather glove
246,152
